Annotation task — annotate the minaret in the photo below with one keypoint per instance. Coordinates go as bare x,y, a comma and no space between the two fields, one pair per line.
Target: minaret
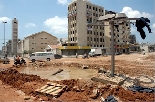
14,36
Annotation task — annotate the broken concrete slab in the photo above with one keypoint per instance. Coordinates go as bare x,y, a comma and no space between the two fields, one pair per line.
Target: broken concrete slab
60,70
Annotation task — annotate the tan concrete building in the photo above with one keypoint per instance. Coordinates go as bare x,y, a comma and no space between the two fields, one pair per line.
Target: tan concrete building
132,39
121,35
9,45
36,42
82,12
80,37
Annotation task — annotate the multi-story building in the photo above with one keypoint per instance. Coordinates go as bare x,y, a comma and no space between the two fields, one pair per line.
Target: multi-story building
9,46
36,42
80,13
132,39
14,36
4,49
121,35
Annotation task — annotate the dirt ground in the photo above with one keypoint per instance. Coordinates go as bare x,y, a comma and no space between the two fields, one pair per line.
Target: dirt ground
15,86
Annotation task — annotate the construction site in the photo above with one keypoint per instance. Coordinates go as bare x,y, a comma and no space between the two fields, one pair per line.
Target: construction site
81,80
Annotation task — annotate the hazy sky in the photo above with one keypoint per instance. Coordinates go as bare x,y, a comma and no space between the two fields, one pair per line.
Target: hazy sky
51,16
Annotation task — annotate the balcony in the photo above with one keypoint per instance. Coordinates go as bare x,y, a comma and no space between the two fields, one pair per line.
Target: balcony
72,14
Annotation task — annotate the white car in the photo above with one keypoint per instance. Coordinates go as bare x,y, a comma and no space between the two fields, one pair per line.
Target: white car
39,56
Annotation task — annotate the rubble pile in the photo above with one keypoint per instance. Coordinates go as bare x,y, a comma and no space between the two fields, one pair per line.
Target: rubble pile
76,90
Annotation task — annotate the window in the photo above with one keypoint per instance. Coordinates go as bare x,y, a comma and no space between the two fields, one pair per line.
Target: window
94,39
89,7
87,38
100,39
41,38
87,32
45,43
41,43
45,38
100,45
96,9
96,15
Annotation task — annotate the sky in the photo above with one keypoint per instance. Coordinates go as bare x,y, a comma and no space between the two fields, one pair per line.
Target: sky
51,16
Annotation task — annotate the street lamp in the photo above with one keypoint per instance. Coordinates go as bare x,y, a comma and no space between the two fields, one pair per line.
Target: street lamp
4,36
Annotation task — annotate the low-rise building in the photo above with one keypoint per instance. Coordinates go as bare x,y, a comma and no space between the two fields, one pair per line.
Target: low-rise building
36,42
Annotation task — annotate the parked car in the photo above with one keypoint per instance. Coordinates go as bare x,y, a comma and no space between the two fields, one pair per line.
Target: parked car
118,53
39,56
4,60
57,56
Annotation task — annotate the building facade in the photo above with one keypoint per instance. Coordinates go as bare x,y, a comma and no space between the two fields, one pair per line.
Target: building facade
9,47
36,42
121,36
132,39
80,13
14,36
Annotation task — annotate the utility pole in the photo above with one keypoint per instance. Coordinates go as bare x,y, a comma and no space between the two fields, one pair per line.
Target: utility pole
111,18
